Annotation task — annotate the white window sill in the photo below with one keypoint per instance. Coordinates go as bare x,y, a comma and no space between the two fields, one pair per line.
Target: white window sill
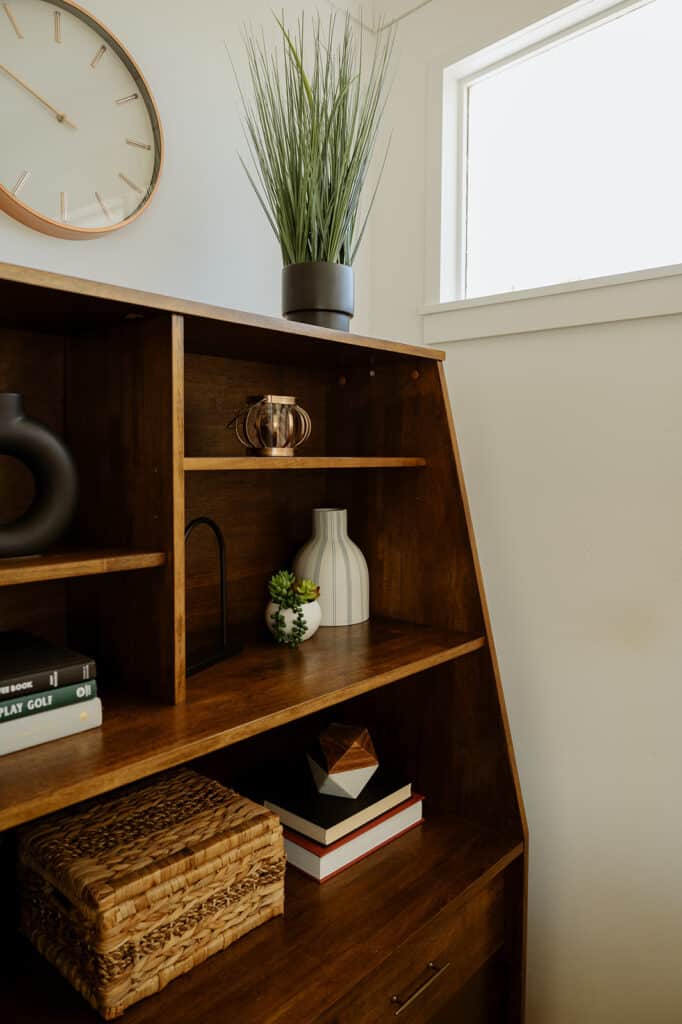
645,293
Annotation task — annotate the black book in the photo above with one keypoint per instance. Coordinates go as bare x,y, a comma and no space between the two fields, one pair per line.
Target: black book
31,665
293,796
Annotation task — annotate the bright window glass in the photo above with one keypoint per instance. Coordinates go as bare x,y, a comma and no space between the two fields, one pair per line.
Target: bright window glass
574,157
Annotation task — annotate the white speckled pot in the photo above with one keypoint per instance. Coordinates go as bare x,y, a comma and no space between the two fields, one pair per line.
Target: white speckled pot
331,559
312,613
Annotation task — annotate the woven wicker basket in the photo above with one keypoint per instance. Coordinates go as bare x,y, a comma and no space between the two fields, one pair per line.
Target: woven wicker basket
125,893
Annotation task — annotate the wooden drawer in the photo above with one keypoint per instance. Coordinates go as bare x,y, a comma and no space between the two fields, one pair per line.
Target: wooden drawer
425,973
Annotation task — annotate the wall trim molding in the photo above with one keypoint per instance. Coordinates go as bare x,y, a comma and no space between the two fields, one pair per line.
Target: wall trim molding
448,82
640,295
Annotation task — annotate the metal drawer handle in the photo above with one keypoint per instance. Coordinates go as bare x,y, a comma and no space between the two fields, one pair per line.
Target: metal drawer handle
403,1004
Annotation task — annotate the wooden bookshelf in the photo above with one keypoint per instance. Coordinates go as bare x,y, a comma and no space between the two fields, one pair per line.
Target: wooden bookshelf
138,739
330,938
221,465
152,454
40,568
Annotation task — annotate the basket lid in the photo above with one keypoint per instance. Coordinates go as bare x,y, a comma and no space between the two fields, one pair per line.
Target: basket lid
109,849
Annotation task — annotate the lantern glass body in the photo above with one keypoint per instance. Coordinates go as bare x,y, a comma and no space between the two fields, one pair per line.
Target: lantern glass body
273,425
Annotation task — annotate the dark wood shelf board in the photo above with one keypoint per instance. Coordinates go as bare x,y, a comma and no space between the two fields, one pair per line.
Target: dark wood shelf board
263,687
66,565
62,299
195,464
330,938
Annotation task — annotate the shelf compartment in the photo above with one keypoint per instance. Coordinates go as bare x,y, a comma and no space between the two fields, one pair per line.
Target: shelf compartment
218,464
263,687
330,938
67,565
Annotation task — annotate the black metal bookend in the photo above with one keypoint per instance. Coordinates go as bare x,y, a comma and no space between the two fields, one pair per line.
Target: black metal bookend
228,645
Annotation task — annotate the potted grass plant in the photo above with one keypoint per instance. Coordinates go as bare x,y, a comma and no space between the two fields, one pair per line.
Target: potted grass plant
312,126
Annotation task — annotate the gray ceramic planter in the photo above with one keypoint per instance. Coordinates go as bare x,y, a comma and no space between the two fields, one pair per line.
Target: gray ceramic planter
319,293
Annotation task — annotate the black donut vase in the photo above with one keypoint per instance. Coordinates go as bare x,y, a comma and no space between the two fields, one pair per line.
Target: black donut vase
54,474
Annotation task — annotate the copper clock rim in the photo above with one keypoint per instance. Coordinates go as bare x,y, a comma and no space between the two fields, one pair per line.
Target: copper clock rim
30,217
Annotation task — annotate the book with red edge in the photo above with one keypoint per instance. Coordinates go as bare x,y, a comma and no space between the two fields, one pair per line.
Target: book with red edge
324,862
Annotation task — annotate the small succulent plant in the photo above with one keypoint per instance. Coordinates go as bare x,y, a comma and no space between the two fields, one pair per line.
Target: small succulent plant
288,592
306,591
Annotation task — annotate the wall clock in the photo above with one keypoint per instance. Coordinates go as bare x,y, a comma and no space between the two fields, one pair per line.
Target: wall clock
82,145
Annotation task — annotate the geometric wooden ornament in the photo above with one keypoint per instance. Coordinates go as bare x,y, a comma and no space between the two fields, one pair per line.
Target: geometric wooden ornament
344,760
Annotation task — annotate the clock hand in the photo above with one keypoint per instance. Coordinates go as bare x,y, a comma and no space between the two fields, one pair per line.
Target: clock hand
62,118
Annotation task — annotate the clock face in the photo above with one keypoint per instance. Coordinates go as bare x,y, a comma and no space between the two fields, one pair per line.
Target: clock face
81,138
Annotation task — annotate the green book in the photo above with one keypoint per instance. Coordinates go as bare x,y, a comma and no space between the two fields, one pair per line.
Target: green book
34,703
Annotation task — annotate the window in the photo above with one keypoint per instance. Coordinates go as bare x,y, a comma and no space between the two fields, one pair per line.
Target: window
569,156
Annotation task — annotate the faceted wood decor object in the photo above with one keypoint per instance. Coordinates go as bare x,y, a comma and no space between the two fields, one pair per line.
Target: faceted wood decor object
345,761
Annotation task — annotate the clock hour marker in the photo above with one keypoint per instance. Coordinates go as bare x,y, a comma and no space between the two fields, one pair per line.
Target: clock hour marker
57,27
63,206
127,99
98,56
13,20
105,209
20,182
140,145
131,184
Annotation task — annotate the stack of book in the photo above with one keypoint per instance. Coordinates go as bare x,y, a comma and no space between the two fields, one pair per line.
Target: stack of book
46,692
324,835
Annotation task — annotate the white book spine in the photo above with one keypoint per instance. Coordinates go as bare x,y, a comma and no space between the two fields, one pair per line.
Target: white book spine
50,725
368,840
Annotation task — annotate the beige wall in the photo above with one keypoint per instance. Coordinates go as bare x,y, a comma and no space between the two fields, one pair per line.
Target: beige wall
572,450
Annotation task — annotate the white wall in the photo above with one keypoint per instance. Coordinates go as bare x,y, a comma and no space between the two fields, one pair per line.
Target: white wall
571,449
204,236
571,444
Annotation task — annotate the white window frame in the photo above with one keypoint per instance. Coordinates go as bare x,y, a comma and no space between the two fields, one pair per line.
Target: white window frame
447,129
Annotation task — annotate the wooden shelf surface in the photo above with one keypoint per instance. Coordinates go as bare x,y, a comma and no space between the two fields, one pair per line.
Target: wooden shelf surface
214,464
263,687
37,294
330,938
65,565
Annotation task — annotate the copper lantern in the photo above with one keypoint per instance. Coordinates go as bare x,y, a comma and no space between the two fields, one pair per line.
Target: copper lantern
272,425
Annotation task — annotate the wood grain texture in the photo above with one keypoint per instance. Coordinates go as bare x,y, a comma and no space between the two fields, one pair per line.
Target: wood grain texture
216,389
263,527
454,746
261,688
178,566
482,1000
37,607
410,526
153,451
248,463
292,970
124,452
66,565
346,747
33,365
517,922
82,295
458,940
500,701
20,353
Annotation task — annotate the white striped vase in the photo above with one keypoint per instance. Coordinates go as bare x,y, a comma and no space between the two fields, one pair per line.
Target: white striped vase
331,559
